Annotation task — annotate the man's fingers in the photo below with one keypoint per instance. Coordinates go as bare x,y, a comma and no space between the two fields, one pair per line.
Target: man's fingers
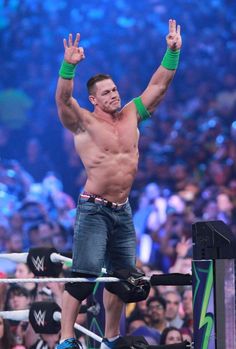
172,26
77,38
65,43
70,40
178,29
81,51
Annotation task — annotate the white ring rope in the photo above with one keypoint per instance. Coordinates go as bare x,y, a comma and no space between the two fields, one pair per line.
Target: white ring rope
18,315
22,258
23,315
15,257
48,279
57,317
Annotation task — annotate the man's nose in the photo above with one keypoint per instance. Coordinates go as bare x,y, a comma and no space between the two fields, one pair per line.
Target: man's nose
113,94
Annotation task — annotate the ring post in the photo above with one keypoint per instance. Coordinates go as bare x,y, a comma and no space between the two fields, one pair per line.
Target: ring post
214,261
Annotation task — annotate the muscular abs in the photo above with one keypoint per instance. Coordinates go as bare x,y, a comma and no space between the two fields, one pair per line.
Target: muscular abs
109,151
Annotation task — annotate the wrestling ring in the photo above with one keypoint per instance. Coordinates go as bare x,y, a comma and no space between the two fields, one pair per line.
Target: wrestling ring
212,279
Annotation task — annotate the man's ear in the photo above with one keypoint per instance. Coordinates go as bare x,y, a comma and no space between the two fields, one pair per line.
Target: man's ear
92,99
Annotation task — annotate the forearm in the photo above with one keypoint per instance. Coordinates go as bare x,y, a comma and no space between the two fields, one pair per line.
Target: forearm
68,109
165,73
64,92
65,83
160,80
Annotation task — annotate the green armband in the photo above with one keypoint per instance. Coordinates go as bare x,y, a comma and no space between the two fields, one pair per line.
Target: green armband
171,59
142,110
67,70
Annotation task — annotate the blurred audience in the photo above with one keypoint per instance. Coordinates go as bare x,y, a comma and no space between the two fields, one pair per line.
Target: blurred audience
171,335
187,165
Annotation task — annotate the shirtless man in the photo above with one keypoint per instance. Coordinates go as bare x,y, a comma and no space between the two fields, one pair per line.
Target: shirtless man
107,143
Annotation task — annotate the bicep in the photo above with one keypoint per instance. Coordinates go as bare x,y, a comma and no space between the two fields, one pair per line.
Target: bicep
157,87
71,115
152,96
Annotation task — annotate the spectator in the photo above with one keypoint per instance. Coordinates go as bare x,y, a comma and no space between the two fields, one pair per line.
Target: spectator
18,298
171,335
14,243
24,272
156,310
45,232
187,299
6,337
173,300
187,334
34,157
3,291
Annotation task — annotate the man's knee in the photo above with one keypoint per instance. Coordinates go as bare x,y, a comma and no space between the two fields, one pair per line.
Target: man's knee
80,290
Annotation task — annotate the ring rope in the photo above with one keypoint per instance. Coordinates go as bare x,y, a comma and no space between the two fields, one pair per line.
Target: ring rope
55,258
18,315
15,257
57,317
44,279
23,315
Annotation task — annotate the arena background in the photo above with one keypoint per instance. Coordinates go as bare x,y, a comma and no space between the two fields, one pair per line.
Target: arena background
187,170
187,149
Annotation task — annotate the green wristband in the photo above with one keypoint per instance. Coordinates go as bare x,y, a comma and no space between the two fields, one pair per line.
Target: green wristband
67,70
171,59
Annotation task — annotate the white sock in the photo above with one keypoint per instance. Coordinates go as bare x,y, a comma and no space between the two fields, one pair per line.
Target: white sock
112,339
62,340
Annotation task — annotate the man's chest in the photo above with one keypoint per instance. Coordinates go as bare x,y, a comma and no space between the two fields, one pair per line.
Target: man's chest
122,136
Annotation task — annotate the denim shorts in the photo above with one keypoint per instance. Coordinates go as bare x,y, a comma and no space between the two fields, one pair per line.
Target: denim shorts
103,237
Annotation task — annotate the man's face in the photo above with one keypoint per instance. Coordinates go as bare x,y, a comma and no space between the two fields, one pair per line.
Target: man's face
106,96
19,301
156,312
172,305
187,302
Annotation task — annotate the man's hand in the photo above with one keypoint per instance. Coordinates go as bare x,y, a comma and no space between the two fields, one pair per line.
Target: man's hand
73,53
173,39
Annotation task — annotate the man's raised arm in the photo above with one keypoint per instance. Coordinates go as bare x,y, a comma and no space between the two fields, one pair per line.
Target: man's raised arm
69,111
163,76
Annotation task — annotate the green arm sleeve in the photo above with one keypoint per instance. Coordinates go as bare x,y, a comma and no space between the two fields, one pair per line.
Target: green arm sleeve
142,110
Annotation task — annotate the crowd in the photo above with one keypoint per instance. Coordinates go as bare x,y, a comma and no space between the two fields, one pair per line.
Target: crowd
187,149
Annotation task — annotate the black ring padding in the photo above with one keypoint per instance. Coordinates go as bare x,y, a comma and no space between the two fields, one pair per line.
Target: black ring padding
184,345
132,287
175,279
39,262
41,317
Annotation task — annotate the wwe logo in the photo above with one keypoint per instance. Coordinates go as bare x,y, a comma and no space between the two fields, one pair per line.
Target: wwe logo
40,317
38,263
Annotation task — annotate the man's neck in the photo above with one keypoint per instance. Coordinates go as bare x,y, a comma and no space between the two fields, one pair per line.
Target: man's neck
109,117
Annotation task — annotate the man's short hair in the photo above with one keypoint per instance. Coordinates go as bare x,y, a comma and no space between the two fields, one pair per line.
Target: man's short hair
94,79
157,299
18,290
